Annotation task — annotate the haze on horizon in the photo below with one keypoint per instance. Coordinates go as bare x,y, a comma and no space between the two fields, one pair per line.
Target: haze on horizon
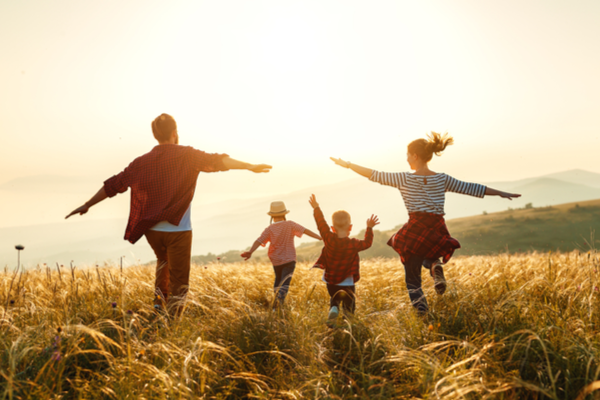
291,84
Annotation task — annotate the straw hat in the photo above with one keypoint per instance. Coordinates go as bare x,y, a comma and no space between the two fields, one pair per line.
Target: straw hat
278,209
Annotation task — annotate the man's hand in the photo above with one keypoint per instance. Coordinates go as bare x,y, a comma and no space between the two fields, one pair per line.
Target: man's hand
246,255
98,197
80,210
371,222
258,168
313,201
340,162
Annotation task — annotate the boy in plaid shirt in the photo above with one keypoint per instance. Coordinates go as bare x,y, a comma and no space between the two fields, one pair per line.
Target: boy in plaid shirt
339,257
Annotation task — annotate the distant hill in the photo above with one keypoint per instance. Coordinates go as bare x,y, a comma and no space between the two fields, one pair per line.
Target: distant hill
564,227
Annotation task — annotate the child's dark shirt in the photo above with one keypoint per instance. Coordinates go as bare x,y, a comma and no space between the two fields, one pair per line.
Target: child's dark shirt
339,257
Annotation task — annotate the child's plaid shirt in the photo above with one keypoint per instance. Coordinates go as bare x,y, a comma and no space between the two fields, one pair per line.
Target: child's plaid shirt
339,257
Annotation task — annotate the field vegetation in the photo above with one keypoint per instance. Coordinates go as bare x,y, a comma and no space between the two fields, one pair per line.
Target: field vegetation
509,327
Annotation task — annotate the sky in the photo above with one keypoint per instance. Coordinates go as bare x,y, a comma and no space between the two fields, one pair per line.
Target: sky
290,83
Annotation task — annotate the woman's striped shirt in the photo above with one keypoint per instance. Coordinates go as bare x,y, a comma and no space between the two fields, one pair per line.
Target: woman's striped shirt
426,193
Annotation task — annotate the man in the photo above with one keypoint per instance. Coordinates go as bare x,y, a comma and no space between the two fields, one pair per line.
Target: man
162,186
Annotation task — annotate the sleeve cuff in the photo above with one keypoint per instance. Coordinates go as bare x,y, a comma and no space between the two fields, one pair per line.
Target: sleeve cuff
109,187
373,176
219,163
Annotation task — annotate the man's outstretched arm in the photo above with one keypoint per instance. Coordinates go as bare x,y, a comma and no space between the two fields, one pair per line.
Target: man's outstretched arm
231,163
98,197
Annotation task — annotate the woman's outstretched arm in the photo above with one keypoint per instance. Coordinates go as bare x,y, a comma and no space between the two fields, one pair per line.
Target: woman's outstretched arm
493,192
366,172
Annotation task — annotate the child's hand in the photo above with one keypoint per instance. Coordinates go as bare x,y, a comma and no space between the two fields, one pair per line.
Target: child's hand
246,255
374,220
340,162
313,201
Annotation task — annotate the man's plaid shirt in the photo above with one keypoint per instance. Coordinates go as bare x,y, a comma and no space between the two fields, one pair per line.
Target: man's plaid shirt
339,257
162,185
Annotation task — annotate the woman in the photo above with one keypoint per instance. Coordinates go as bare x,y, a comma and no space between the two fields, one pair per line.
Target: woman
424,239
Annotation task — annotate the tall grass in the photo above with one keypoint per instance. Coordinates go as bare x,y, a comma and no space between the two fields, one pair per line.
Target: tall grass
509,327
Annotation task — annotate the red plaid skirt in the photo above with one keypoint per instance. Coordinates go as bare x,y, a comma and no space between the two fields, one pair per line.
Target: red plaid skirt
424,235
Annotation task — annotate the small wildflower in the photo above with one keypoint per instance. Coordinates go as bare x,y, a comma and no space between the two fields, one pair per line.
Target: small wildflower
12,302
430,328
596,288
59,330
56,356
114,304
218,258
129,312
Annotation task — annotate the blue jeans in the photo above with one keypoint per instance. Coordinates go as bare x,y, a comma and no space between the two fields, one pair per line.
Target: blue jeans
412,270
283,279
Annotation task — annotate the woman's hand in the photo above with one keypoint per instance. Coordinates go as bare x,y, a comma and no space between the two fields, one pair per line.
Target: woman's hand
340,162
493,192
509,196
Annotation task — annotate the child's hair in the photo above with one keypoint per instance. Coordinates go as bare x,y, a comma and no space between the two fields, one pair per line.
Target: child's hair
341,219
270,223
163,126
435,143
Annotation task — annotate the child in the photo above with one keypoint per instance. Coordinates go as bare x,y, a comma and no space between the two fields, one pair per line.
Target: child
282,252
424,239
339,258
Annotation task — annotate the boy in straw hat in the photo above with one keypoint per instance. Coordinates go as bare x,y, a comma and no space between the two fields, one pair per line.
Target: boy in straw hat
282,253
339,258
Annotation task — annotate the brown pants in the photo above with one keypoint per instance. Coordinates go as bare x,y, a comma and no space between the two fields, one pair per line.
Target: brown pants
173,255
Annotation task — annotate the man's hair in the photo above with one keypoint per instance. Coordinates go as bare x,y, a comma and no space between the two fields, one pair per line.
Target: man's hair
163,126
341,219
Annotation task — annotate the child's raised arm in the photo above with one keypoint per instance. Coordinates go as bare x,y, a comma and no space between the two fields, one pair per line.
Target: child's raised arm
493,192
366,172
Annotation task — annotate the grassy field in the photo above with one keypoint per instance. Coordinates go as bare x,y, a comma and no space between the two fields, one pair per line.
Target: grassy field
509,327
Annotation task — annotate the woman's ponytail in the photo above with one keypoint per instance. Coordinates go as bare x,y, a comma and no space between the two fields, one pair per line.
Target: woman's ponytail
435,144
438,142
